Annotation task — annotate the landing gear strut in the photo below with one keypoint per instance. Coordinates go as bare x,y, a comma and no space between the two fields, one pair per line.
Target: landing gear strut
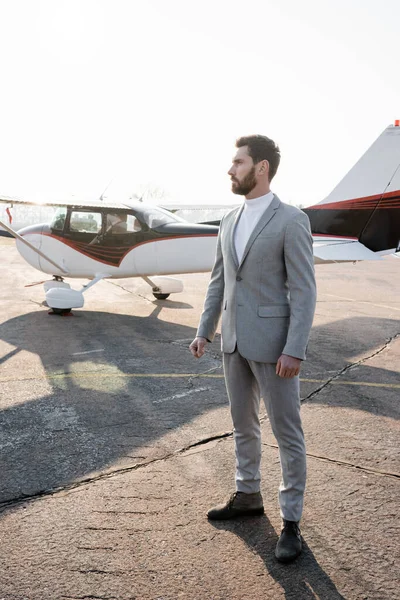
62,299
162,287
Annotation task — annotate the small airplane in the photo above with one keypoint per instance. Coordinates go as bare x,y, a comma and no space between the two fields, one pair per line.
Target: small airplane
359,220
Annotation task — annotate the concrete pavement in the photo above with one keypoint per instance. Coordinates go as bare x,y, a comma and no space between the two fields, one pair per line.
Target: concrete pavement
115,442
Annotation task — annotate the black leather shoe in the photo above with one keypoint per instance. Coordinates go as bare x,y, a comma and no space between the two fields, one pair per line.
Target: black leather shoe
289,545
238,505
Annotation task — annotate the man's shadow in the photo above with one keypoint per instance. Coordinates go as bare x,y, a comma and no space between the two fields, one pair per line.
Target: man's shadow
303,579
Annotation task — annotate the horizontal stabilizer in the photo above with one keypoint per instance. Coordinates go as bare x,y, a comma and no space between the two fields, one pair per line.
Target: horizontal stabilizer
342,251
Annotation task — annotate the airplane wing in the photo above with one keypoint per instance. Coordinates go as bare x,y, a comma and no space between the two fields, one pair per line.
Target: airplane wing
93,203
78,202
341,250
199,206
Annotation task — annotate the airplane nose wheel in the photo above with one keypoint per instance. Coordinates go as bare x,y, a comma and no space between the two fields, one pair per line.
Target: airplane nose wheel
63,312
160,296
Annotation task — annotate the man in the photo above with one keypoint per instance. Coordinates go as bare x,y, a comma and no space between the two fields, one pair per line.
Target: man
117,223
263,283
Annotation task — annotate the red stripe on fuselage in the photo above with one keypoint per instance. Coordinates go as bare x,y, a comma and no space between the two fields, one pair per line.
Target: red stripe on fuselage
107,249
387,200
328,235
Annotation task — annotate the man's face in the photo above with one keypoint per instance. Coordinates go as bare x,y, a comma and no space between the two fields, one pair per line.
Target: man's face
242,172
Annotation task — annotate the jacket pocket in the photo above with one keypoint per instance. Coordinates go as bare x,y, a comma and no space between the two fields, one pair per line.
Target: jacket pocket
274,310
264,236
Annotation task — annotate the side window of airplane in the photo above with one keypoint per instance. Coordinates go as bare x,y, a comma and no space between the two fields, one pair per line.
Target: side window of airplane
155,216
85,222
120,223
133,224
58,221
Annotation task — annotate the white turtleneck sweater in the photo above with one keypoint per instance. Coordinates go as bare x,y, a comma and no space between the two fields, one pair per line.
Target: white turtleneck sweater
251,214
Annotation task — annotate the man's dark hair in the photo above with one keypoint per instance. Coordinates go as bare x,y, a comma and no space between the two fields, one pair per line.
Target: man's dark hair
262,148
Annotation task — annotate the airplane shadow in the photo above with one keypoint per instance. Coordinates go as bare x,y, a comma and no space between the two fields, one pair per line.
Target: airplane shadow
171,304
83,426
86,424
304,579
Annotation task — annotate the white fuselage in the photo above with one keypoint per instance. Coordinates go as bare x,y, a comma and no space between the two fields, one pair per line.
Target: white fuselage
191,254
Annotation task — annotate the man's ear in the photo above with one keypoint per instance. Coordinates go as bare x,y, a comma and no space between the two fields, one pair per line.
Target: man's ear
264,167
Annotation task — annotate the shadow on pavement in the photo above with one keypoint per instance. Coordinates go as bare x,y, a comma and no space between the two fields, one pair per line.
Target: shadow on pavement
304,579
82,426
95,412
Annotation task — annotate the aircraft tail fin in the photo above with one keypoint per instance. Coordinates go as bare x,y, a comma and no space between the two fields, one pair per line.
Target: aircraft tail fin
366,202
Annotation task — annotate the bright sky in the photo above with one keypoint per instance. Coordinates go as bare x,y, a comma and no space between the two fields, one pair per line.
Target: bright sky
150,91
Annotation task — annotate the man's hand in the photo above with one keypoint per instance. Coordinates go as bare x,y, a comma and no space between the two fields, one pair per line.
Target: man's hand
197,347
288,366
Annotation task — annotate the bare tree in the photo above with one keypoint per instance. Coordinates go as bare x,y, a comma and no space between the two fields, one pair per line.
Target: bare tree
151,193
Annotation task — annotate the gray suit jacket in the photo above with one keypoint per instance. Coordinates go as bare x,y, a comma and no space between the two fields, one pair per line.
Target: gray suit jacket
268,300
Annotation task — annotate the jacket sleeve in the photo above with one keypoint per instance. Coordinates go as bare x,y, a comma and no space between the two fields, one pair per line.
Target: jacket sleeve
299,261
215,293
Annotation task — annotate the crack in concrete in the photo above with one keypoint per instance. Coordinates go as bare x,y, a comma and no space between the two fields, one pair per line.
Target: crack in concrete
218,437
349,368
185,345
183,394
117,573
92,597
190,383
345,463
100,528
37,303
96,548
72,486
127,512
129,291
102,476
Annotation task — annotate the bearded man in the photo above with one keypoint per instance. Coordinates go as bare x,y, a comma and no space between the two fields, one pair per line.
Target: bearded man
263,283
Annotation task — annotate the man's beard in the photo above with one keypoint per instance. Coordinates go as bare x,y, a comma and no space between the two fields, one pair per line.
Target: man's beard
247,184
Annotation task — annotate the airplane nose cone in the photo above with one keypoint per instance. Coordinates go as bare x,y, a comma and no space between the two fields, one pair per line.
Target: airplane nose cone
30,230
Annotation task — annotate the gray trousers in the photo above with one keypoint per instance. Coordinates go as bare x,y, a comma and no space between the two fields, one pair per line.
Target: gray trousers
247,381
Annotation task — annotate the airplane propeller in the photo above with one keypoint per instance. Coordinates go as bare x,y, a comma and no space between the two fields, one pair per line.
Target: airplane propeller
31,246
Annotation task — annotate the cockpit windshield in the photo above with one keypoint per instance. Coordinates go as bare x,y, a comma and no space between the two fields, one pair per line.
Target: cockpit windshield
155,216
58,221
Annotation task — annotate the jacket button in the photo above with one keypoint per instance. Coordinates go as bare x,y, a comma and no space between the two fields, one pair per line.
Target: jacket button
238,278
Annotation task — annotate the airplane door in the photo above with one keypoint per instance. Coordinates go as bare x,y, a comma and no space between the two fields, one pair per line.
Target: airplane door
83,232
107,236
122,233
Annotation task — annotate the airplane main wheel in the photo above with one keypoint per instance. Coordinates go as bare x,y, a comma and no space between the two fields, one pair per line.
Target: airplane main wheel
160,296
61,311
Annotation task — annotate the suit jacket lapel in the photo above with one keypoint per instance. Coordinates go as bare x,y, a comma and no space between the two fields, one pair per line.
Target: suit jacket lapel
232,236
265,219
